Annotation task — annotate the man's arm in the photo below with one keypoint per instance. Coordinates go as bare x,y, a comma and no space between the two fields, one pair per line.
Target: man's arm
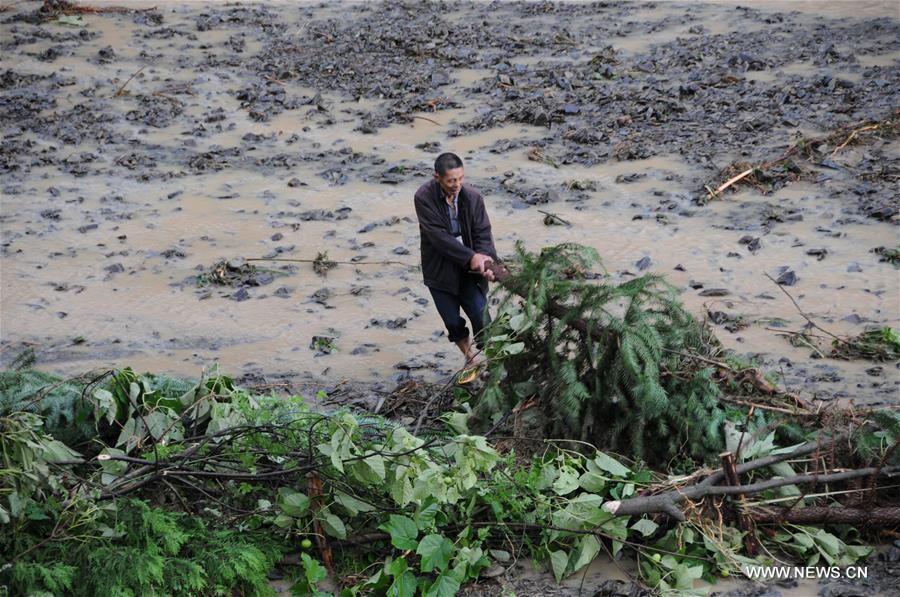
432,226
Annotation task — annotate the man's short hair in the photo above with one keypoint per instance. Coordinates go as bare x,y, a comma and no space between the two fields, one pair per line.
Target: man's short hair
447,161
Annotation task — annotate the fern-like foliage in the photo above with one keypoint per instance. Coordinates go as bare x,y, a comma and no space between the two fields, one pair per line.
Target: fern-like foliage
59,402
609,364
149,551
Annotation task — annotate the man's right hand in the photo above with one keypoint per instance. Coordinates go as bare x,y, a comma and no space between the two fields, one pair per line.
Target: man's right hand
478,262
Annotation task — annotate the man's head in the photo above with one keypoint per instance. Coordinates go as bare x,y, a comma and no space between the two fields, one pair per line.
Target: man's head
448,171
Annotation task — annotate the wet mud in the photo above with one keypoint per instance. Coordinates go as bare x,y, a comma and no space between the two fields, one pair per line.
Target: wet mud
149,156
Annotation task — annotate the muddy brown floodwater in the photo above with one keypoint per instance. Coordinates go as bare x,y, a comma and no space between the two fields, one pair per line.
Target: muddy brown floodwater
140,148
284,130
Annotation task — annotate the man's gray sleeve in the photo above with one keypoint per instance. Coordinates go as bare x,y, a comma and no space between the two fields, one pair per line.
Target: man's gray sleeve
431,225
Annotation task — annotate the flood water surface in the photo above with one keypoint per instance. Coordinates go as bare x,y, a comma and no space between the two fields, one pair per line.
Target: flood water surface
142,148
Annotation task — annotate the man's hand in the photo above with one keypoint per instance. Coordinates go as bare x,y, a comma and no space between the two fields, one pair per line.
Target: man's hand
478,263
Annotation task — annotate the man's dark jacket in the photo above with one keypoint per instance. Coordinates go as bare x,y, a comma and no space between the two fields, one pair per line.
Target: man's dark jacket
444,259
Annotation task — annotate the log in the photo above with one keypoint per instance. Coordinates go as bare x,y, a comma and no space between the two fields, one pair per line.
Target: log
667,502
874,517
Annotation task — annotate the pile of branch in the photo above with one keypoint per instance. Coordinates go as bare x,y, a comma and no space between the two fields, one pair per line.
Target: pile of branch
716,484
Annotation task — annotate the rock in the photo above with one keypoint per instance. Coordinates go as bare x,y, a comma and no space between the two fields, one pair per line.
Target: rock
819,254
854,268
240,295
439,78
715,292
643,263
718,317
843,590
787,278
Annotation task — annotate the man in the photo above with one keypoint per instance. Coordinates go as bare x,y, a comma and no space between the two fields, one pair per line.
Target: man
456,245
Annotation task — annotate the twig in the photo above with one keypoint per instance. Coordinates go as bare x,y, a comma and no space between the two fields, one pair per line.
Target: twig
800,311
555,217
852,136
729,182
425,118
125,84
776,409
339,262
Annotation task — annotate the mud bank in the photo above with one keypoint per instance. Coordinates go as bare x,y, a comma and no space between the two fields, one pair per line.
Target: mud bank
141,148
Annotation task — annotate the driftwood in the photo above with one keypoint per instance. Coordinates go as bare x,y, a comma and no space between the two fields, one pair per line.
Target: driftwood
873,517
669,501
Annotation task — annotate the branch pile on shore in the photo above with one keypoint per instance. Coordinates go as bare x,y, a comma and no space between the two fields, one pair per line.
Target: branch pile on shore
158,474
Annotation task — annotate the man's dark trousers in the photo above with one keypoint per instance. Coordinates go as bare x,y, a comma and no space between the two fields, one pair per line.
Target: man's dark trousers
472,300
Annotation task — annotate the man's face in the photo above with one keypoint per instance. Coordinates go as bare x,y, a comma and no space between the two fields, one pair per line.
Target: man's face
452,181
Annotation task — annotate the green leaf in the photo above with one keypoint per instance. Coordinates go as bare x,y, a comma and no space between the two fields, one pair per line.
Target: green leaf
397,566
112,469
403,531
645,527
435,551
105,404
352,505
444,586
512,349
686,575
828,542
559,561
334,526
158,423
313,570
567,482
588,548
55,450
375,463
457,421
611,465
294,503
131,435
592,482
403,586
425,515
519,322
283,521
